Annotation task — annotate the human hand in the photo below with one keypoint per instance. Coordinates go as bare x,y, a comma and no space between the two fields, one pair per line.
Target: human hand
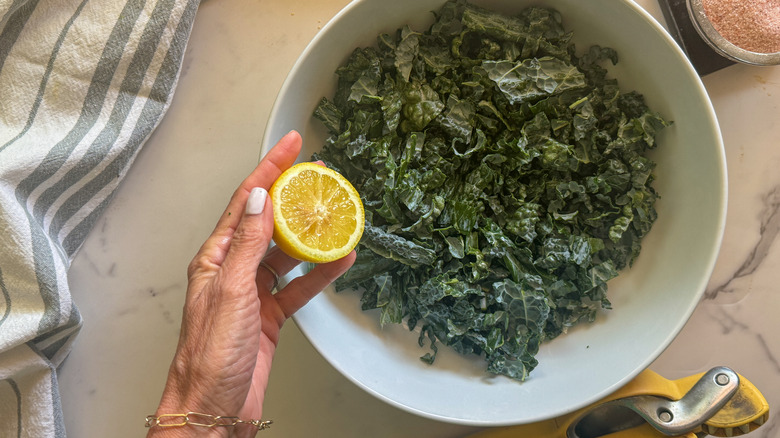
232,320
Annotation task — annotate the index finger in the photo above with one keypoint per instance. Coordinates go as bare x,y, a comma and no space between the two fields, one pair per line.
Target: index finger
277,160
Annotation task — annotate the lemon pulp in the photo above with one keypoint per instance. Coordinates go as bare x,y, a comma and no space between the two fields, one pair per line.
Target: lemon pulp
318,215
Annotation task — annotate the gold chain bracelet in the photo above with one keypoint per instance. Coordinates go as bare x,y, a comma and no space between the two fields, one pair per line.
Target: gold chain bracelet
204,420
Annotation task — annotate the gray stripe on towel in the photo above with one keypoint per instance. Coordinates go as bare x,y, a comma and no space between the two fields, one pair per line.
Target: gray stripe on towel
107,138
46,275
58,418
46,75
10,11
63,337
15,389
7,298
10,33
150,117
54,394
42,251
94,101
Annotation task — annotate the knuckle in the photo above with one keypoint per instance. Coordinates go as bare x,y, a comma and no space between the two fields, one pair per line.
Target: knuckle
250,234
199,264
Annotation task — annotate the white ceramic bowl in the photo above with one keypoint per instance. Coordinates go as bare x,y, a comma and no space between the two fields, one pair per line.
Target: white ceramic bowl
651,302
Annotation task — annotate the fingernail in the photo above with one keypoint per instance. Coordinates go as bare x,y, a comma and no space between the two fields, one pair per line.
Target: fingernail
256,202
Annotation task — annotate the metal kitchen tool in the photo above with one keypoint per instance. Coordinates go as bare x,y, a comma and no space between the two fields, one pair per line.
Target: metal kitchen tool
670,417
718,403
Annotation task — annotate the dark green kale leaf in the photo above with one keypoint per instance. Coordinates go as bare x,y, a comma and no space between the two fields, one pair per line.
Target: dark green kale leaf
392,246
533,78
505,180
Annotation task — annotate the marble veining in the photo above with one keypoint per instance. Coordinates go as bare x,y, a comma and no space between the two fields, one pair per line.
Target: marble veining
129,278
768,231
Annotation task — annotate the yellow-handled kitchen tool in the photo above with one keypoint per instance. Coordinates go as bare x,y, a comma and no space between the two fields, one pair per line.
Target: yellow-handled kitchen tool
718,403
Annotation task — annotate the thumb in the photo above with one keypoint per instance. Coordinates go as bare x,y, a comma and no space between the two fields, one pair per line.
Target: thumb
251,238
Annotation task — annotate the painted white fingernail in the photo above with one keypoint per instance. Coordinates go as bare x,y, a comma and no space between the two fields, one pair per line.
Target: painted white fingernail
256,202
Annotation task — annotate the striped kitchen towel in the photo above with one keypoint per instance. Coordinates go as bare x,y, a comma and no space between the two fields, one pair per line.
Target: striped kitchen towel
83,83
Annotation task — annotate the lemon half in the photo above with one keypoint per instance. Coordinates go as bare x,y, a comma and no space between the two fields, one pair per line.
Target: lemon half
318,214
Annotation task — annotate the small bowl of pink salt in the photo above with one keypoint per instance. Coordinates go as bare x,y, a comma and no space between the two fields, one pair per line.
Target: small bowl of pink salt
743,31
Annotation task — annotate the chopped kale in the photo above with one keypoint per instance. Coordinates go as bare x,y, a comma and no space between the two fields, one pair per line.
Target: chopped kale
504,178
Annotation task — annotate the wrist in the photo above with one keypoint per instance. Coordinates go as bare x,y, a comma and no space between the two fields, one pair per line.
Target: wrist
169,419
188,431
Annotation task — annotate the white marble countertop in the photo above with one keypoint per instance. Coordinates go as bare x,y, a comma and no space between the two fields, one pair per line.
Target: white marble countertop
128,279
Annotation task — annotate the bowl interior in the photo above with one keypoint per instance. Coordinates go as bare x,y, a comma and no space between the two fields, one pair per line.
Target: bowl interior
651,301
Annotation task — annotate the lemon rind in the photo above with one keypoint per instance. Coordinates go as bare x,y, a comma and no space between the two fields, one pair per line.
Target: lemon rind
292,245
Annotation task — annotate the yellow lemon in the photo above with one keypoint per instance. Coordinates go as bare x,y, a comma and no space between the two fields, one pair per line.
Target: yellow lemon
318,215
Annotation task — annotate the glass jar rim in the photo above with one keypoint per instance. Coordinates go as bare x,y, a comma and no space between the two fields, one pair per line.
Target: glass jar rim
723,46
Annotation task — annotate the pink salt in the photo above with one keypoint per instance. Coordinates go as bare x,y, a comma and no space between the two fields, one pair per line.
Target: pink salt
753,25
